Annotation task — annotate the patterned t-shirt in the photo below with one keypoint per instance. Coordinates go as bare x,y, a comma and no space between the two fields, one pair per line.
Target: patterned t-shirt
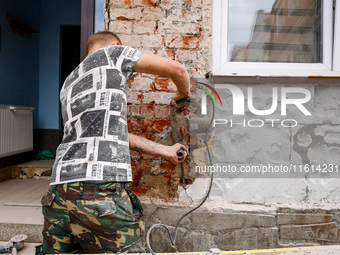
95,145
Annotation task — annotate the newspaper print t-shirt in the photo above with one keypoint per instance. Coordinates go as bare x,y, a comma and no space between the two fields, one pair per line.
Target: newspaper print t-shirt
95,145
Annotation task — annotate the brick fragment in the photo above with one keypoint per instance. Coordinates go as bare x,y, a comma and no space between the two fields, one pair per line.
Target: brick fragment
153,13
185,55
120,3
151,3
165,85
120,26
162,112
125,13
134,126
186,42
144,27
154,126
141,83
147,111
135,97
152,41
168,166
176,28
157,97
130,40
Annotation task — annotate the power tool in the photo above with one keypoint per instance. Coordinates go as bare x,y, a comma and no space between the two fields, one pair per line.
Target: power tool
15,244
187,119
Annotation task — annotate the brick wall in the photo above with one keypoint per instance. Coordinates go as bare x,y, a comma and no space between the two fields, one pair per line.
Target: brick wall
182,30
174,29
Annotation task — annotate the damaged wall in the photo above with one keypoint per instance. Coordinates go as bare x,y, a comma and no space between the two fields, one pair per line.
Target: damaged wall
314,141
182,30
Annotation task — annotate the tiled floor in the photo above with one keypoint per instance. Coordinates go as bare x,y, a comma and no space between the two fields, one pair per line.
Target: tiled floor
20,200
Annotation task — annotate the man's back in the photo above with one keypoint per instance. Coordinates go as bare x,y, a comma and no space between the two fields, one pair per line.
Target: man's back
93,102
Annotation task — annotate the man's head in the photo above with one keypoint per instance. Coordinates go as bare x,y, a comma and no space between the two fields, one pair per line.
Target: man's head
100,40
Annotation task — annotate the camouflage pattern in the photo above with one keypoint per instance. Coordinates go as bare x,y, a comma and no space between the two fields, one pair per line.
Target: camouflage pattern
84,217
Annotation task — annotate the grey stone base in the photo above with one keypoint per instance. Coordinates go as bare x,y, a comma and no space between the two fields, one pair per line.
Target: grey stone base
33,231
241,230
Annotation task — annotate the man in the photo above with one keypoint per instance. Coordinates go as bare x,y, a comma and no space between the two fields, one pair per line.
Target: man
87,207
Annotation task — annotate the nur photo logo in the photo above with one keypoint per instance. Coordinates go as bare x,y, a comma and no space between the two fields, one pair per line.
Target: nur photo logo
204,97
282,99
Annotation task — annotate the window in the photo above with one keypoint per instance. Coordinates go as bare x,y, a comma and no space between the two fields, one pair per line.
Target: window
92,20
99,16
276,38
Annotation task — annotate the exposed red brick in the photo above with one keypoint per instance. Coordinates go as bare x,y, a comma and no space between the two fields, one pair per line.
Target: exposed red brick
155,125
162,84
170,53
135,97
168,166
168,178
131,80
191,41
166,84
143,166
135,179
149,3
147,111
194,85
122,18
134,109
145,135
127,2
134,125
162,112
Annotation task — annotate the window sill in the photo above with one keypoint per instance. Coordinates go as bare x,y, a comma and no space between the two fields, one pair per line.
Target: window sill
329,80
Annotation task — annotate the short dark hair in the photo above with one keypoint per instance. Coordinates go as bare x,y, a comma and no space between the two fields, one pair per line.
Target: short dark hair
102,37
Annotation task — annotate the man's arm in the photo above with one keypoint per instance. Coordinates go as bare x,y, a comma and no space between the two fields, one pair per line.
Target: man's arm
154,64
146,146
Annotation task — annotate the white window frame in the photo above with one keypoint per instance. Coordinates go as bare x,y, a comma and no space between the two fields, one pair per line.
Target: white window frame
331,51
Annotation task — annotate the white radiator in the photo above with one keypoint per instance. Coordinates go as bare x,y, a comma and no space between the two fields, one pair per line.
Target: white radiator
16,130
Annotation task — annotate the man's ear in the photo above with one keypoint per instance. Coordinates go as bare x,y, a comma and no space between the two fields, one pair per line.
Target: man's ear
113,43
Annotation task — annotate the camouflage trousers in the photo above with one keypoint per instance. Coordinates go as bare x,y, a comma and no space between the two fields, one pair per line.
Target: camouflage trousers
85,217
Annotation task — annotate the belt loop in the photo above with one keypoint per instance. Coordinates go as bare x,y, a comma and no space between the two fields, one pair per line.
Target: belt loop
118,187
53,188
81,189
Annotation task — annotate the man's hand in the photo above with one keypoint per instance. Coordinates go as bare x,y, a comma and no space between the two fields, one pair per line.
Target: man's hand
146,146
177,96
172,153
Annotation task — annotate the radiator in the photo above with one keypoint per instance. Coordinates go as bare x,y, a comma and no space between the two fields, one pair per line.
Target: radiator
16,130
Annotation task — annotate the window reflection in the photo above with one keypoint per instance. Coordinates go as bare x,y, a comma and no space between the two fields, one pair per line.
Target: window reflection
99,24
287,31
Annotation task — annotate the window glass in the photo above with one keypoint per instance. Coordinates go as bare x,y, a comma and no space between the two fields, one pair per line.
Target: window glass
99,16
282,31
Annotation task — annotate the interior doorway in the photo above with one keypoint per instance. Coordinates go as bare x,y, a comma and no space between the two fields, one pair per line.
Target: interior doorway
69,57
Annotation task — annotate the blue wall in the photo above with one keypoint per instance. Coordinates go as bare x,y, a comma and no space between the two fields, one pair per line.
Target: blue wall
29,68
19,57
53,14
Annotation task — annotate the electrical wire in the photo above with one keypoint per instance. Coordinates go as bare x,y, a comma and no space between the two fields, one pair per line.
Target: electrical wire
173,239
